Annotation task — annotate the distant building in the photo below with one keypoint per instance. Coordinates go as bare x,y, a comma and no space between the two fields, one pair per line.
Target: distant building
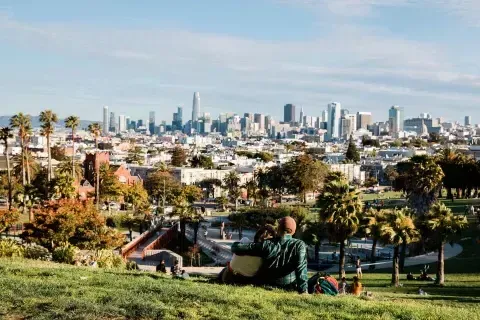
260,119
289,113
468,121
395,118
106,124
151,122
348,125
333,123
301,118
122,123
177,123
113,124
364,119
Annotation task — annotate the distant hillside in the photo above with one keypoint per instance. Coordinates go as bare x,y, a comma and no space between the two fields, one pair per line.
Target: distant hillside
5,121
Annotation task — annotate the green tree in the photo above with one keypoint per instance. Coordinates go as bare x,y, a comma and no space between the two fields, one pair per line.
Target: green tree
370,182
8,218
230,183
184,210
65,168
5,134
162,187
137,196
252,188
397,230
222,201
64,186
209,186
48,119
264,156
95,129
135,155
110,187
444,224
23,123
179,157
72,122
28,198
201,161
352,154
373,221
340,209
391,174
238,222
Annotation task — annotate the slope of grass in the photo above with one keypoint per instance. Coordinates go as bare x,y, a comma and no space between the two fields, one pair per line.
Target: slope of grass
41,290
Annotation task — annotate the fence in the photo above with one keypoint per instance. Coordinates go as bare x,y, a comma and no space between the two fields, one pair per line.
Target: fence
162,241
14,230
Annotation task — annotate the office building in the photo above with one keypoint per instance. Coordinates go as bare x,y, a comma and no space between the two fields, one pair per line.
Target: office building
343,112
348,125
113,124
151,122
177,123
289,113
468,121
333,123
301,117
324,116
122,123
196,106
260,119
424,115
395,118
106,124
364,119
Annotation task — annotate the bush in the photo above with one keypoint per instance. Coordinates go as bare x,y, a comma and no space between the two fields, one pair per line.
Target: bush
65,254
132,265
257,217
109,259
34,251
10,248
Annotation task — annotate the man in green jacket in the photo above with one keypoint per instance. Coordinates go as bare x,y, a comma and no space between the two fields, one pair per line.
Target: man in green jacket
284,259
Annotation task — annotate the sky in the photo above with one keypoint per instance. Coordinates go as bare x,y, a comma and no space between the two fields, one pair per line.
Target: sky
74,57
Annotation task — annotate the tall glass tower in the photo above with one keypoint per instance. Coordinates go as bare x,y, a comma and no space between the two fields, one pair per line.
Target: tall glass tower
106,124
196,107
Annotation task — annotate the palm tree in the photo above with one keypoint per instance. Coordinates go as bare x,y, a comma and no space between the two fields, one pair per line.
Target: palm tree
398,229
443,223
65,167
72,122
24,125
5,134
95,130
28,198
186,213
340,208
374,220
48,119
231,181
31,166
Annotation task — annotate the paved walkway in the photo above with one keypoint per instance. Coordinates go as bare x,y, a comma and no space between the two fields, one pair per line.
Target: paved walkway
137,254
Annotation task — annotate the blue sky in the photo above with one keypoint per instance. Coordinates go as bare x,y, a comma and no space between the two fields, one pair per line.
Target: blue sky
248,55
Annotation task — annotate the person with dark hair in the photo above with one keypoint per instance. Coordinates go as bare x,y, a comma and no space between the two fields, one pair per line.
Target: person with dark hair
162,267
284,259
358,266
175,269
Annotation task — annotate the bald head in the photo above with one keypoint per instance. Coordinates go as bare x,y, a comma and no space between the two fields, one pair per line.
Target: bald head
287,225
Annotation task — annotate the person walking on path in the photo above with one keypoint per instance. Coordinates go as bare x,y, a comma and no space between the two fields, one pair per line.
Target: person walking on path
358,266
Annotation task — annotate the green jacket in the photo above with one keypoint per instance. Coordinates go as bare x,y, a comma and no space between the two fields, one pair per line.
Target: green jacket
284,262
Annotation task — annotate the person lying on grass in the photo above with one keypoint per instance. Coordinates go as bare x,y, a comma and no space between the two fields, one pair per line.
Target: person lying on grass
284,259
241,269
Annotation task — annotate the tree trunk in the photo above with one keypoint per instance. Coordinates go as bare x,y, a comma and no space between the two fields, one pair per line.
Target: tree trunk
30,215
24,179
182,236
374,249
73,154
196,225
27,165
49,174
341,262
240,233
317,255
395,269
403,253
130,231
441,264
97,182
9,178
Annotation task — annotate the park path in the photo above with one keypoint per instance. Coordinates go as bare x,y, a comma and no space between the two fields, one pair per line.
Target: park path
136,256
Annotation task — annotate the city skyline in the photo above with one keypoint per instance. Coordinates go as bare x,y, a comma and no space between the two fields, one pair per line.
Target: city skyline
51,60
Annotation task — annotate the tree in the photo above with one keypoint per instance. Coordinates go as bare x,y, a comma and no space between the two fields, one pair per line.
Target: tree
391,174
48,119
398,229
5,134
28,198
64,186
314,232
73,222
352,154
264,156
238,222
130,222
444,224
231,182
110,187
304,174
24,125
136,195
8,218
58,153
191,193
202,161
65,168
186,213
423,181
135,155
340,208
222,201
179,157
72,122
95,129
373,221
252,187
209,186
370,182
162,187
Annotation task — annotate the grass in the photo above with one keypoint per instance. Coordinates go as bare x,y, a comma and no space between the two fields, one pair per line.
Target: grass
42,290
381,196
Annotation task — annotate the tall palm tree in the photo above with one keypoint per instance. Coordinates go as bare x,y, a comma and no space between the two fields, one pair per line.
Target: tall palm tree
374,221
65,167
443,223
231,181
5,134
24,125
95,130
340,208
73,122
398,229
48,119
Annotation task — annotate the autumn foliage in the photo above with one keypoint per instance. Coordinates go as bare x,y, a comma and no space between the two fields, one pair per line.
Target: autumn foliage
8,218
71,222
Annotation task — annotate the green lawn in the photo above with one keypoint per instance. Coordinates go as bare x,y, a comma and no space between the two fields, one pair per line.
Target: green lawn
381,196
41,290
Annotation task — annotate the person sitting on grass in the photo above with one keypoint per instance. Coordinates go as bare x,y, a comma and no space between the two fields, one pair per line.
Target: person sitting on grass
284,259
175,269
343,287
241,269
327,285
162,267
356,287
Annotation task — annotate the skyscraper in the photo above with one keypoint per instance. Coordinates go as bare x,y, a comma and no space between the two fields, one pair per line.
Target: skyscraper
395,118
260,119
289,113
333,123
151,122
324,116
348,125
196,106
177,122
122,123
301,117
113,124
468,121
105,121
364,119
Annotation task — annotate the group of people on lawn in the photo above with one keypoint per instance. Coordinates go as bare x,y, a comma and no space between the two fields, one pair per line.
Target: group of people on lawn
276,259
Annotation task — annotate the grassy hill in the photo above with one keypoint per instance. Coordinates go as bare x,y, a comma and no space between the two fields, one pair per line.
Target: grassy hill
41,290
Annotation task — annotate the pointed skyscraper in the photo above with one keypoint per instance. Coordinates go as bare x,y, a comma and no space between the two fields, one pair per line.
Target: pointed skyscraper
301,117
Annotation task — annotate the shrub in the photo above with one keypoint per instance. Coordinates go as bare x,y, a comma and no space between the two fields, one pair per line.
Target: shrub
132,265
65,254
256,217
10,248
109,259
34,251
